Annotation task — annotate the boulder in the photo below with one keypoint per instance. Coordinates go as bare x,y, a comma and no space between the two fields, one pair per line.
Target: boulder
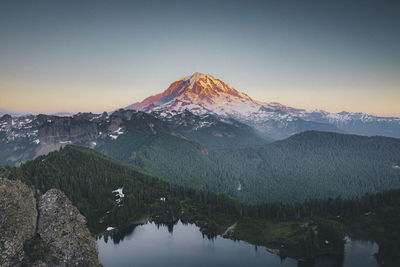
18,216
64,229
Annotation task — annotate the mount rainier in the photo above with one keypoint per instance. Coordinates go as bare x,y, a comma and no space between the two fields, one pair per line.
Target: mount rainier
203,94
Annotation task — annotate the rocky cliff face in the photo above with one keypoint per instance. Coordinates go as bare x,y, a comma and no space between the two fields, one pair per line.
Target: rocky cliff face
17,220
66,129
52,233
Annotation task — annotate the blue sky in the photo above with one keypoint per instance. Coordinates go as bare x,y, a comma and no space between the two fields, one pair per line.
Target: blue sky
101,55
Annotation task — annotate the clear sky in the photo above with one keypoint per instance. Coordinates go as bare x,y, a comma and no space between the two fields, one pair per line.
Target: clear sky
102,55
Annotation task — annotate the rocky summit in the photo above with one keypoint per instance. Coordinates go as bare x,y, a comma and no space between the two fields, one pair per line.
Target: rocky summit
47,232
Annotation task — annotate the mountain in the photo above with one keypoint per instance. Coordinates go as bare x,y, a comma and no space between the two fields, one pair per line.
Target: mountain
313,165
356,123
199,93
4,111
63,114
16,113
118,134
214,153
307,165
203,94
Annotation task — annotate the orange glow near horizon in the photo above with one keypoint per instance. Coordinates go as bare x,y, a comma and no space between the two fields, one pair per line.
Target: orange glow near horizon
73,56
49,98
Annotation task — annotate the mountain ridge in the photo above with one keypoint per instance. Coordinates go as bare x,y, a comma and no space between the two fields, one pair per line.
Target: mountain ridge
204,94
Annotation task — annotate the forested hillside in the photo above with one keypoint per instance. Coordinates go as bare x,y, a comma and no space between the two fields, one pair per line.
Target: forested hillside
313,165
206,152
308,165
88,178
118,134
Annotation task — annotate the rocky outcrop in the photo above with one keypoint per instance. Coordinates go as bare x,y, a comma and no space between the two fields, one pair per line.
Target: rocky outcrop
64,229
6,118
66,129
17,220
4,172
230,230
47,232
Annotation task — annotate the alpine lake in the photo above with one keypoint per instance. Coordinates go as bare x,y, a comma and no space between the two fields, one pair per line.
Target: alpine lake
148,244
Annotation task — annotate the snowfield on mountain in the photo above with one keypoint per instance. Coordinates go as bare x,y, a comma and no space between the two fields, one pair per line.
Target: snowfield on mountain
203,94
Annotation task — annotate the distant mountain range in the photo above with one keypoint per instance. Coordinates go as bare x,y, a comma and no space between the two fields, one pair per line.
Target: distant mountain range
18,113
213,153
26,137
203,94
203,134
4,111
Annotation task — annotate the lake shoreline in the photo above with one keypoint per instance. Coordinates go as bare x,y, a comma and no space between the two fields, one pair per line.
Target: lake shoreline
272,251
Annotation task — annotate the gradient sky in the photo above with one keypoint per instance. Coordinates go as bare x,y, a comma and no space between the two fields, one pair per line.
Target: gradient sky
102,55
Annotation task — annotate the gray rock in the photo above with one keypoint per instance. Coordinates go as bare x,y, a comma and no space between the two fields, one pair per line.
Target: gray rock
62,227
76,130
4,172
57,225
18,217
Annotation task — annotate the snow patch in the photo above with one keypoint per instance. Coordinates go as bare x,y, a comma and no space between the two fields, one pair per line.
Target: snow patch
119,194
119,131
113,136
239,188
116,133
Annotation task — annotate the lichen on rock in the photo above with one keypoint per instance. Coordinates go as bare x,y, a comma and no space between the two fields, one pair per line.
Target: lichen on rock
17,220
52,233
64,229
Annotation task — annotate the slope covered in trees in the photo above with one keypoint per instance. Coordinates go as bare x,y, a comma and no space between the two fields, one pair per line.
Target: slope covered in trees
308,165
88,178
313,165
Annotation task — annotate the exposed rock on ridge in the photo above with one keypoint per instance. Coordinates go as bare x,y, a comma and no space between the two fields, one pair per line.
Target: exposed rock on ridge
66,129
54,224
17,220
64,229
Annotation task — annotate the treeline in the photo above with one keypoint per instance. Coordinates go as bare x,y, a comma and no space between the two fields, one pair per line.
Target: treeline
279,211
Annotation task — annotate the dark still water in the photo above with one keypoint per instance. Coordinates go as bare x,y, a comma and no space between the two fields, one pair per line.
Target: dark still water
184,245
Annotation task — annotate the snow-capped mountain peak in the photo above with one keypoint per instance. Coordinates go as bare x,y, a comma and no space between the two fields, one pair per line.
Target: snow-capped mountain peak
206,85
203,94
200,93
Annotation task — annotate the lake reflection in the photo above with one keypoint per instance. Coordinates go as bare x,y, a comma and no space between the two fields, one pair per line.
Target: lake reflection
184,245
